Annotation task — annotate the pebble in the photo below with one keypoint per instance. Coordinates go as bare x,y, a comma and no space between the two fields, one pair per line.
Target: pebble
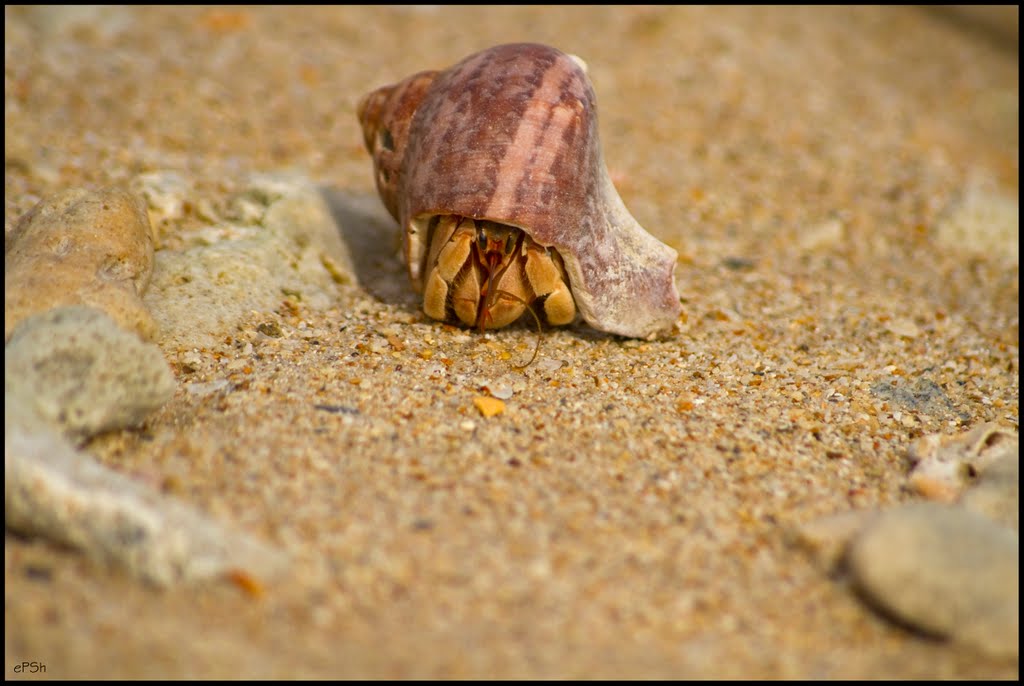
82,374
207,388
549,364
982,221
947,568
943,570
498,389
489,407
81,248
281,238
52,490
904,328
826,235
945,465
922,395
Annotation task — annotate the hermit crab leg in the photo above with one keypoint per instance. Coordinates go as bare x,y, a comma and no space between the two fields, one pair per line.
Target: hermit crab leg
491,294
493,279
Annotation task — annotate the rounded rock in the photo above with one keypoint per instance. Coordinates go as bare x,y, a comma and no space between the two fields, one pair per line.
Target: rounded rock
81,248
81,373
943,570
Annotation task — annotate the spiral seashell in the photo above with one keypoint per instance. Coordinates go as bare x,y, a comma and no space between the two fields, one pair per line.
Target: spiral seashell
502,143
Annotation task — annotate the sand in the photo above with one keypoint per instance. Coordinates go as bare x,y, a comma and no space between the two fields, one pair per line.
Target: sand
841,186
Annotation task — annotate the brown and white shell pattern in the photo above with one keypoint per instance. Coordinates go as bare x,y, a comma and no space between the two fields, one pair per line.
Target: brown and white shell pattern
510,135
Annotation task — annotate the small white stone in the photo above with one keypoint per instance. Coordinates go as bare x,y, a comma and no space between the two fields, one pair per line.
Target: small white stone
904,328
207,388
549,364
984,222
499,390
828,234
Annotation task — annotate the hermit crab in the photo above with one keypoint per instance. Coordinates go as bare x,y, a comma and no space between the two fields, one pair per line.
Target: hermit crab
494,171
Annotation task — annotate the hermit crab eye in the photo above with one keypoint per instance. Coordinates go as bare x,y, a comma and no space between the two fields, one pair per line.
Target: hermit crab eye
386,140
510,244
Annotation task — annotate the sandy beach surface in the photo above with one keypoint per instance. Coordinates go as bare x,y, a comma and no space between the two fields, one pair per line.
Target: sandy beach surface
841,187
